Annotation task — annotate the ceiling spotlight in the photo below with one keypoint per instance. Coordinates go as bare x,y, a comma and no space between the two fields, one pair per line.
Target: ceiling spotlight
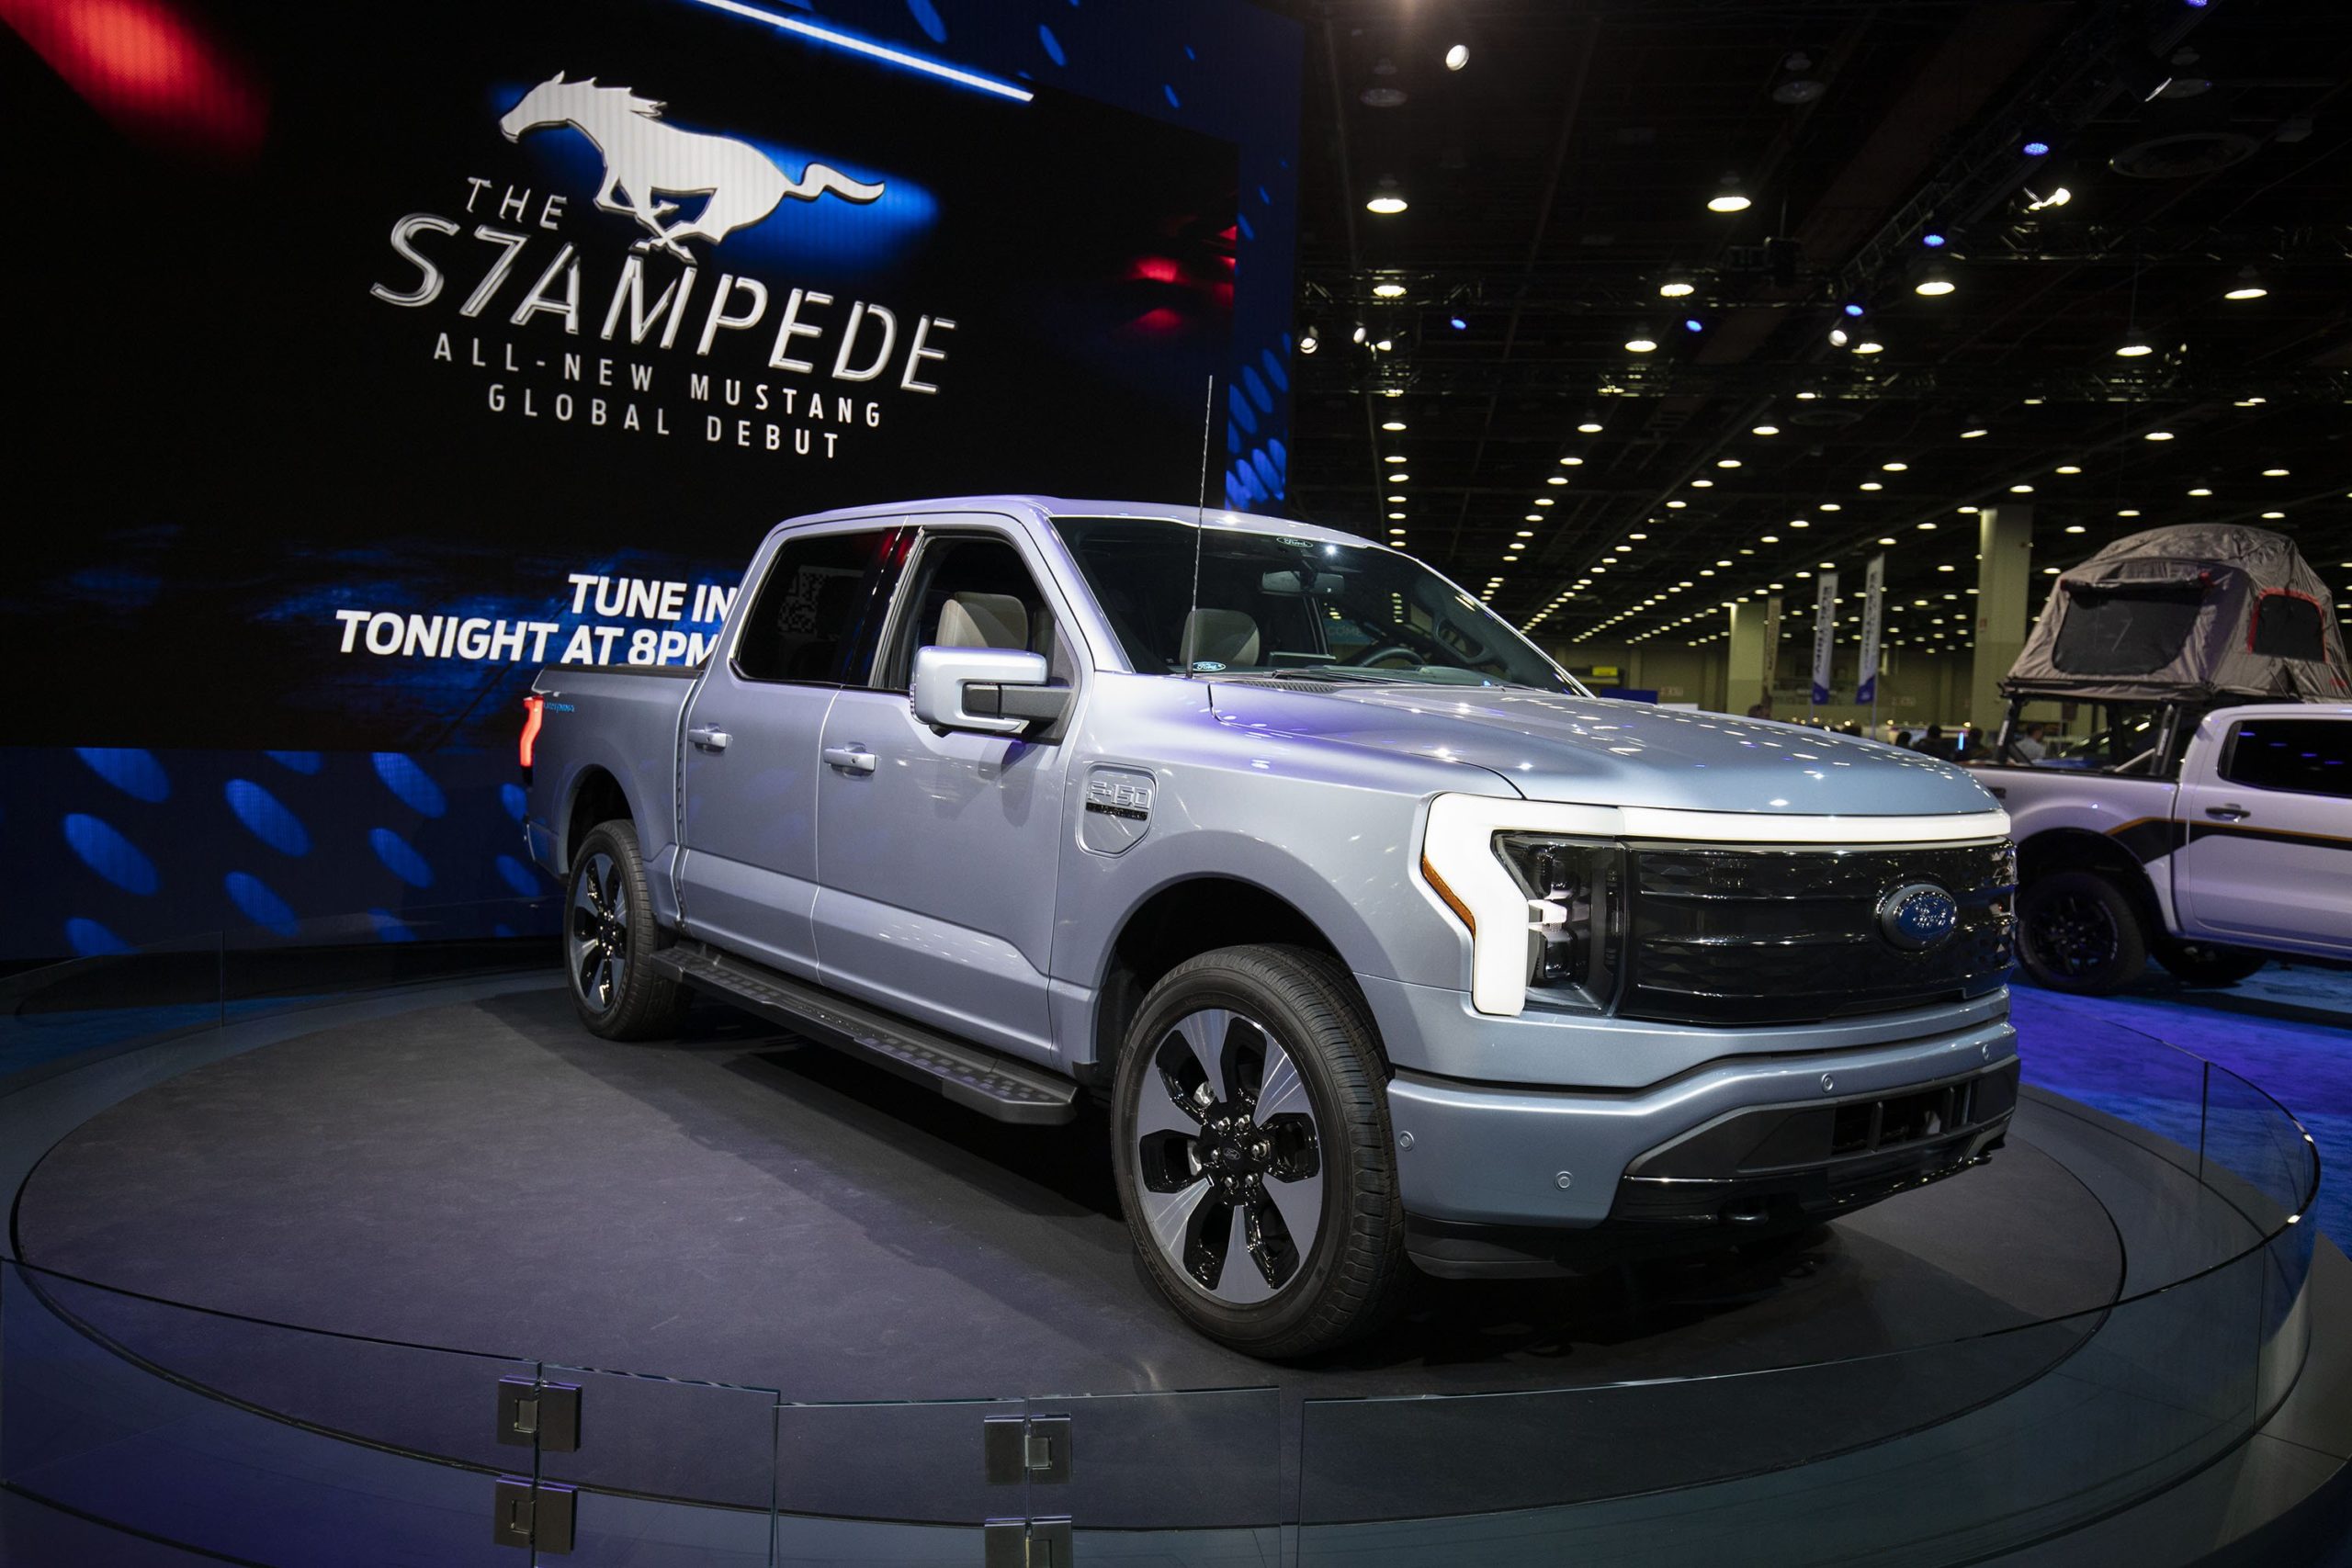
2201,490
1386,199
1457,56
2036,149
1729,196
1935,282
2274,473
1933,239
1640,343
1359,334
1457,323
1590,427
2157,435
1726,462
1388,291
1309,341
1693,324
1971,434
1572,461
2134,346
1385,344
1392,458
1392,424
1853,307
1837,336
2069,469
2248,285
1766,430
1868,347
1676,287
1895,468
2059,196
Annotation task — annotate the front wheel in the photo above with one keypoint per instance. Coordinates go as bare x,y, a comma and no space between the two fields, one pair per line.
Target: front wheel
2078,932
1253,1154
608,934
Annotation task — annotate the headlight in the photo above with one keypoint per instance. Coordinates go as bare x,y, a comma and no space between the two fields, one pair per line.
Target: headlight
1543,900
1575,901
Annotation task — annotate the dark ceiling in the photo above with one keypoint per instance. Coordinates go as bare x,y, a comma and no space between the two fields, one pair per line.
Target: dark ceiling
1563,175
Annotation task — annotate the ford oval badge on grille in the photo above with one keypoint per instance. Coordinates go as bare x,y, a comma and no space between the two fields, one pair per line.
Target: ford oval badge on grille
1918,916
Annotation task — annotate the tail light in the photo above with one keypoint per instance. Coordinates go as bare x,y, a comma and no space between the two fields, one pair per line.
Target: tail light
532,713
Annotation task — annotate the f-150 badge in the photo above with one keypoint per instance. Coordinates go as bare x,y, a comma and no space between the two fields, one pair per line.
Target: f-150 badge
1118,809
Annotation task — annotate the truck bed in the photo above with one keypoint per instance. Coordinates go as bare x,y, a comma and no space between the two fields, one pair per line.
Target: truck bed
617,719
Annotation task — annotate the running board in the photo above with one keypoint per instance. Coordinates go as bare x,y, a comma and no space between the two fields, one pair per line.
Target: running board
972,1076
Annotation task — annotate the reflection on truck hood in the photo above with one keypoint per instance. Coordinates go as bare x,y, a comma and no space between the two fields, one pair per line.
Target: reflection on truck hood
1551,746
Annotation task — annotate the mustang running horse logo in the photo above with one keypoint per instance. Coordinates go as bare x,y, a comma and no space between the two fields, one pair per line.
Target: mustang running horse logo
647,158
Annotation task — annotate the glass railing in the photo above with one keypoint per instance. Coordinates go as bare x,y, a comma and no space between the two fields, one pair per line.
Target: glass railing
273,1442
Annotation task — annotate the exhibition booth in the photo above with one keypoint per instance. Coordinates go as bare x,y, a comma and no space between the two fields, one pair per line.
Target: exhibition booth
413,367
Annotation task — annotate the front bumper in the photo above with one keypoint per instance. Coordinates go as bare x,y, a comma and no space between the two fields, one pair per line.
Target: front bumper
1500,1179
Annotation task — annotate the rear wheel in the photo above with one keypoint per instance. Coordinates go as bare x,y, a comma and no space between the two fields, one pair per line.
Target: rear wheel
608,933
2079,932
1253,1153
2208,963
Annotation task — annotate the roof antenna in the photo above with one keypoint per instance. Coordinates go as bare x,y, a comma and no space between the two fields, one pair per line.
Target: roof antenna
1201,525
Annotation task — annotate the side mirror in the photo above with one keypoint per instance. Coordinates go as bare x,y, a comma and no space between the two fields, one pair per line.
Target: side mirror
995,691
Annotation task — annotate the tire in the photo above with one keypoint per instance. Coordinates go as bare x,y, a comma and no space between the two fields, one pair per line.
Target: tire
608,931
1215,1198
2208,963
2080,932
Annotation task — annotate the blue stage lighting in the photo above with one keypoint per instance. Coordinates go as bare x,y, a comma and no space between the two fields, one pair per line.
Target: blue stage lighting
2036,149
1693,324
1460,325
1853,308
1932,239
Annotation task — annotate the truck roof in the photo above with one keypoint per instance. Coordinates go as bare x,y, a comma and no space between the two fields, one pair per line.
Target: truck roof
1050,506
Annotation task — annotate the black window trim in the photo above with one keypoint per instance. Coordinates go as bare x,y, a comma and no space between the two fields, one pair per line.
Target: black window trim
886,526
970,525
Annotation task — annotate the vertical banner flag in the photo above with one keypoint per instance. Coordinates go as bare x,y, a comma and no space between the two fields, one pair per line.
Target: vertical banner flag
1873,616
1825,636
1772,645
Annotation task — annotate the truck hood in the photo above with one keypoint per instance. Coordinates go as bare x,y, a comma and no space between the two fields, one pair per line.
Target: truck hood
1588,751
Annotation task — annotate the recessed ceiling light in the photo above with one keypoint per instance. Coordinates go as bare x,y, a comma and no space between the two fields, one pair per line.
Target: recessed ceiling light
1886,541
2020,489
1400,479
1572,461
1829,506
1677,506
2157,435
1727,462
1395,497
1799,522
1926,527
1867,347
1543,501
2201,490
2274,473
2069,469
1641,344
1392,458
2129,511
1971,434
1556,478
1392,424
2274,516
1703,484
1895,467
2073,527
1590,427
1766,430
1869,484
1387,290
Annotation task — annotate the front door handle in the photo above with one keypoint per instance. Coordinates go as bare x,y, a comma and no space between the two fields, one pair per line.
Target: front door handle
852,758
709,740
2228,813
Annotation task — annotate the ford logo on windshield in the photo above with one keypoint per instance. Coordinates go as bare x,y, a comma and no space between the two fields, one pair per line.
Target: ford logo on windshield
1918,916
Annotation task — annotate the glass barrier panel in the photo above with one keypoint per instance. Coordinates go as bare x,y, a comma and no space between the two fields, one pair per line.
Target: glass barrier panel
108,1412
667,1470
890,1482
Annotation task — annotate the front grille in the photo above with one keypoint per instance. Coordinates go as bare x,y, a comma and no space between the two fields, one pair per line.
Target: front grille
1731,936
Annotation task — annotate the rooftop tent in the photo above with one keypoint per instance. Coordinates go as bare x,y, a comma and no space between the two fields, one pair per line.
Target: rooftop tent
2188,613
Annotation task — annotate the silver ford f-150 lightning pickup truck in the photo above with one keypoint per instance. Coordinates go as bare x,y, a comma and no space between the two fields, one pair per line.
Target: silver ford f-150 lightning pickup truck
1382,938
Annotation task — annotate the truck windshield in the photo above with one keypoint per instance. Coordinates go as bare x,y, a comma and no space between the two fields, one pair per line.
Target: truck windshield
1281,607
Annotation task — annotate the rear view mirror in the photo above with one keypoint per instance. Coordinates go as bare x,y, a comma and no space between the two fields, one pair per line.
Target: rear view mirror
990,691
1292,584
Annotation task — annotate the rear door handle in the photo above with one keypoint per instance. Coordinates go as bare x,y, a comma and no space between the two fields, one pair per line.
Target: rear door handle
709,740
852,758
2228,813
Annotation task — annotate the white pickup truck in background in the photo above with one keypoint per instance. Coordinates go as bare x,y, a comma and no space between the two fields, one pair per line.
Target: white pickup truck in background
2224,841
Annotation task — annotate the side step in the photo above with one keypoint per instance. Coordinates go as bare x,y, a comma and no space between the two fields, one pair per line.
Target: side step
972,1076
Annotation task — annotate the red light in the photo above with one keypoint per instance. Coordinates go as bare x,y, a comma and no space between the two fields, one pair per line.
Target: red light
149,69
1155,269
531,717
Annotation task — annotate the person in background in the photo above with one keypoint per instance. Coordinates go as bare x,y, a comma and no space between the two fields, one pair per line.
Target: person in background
2030,746
1933,742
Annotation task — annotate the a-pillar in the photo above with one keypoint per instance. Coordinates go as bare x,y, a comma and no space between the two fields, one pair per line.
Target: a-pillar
1754,649
2003,607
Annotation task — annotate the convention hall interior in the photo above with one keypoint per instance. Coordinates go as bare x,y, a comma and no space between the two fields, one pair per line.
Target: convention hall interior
1037,782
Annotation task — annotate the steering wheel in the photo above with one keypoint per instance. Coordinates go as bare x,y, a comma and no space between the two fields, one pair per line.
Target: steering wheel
1371,658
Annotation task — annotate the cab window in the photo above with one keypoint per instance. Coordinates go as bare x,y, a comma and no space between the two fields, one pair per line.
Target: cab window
818,618
2303,756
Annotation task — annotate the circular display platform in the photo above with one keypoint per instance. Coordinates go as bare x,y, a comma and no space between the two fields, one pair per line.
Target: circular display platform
742,1208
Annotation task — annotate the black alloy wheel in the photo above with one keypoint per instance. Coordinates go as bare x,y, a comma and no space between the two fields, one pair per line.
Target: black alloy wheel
2079,932
608,930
